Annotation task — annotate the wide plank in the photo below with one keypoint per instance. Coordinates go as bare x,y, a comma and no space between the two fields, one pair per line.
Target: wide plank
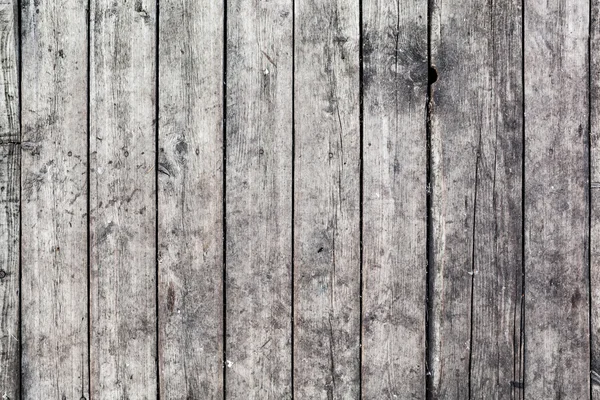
476,132
54,200
10,135
123,199
557,351
190,199
395,199
327,200
259,199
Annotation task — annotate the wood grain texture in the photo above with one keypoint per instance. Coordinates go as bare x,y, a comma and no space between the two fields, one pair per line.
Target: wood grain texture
595,197
10,135
258,199
9,76
9,269
477,147
54,200
557,352
122,200
190,199
326,203
394,206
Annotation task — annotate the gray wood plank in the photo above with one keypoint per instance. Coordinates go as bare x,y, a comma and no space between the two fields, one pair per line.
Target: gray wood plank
54,200
557,352
476,170
190,199
10,135
595,197
258,199
122,200
9,269
9,79
394,205
326,203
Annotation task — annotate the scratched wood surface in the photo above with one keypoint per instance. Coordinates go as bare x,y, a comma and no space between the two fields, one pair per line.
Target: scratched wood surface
310,199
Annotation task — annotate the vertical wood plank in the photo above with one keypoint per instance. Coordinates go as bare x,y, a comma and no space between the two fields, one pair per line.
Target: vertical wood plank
190,199
10,196
476,178
122,203
395,199
595,197
556,200
258,199
54,200
326,203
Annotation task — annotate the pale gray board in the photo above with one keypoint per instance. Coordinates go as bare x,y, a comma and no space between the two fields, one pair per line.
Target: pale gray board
476,190
122,200
557,343
9,201
327,199
395,199
54,201
190,199
259,199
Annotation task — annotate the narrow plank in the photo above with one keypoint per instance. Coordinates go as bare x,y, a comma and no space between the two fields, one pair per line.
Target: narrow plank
122,200
190,199
10,196
326,203
476,170
395,199
54,200
557,351
595,197
258,199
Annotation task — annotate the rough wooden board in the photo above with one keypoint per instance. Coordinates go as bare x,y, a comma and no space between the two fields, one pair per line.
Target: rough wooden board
595,197
54,201
122,204
190,199
258,199
9,78
476,137
556,200
395,213
9,202
9,270
326,203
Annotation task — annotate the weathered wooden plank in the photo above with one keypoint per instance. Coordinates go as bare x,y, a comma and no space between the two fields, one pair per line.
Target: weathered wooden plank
595,197
476,170
9,268
190,199
10,135
258,199
326,203
557,356
54,200
394,206
122,199
9,79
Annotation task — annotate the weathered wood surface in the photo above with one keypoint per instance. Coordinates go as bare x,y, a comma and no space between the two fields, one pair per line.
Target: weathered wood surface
236,199
10,195
476,188
327,200
190,199
395,191
54,200
123,200
557,348
259,200
595,198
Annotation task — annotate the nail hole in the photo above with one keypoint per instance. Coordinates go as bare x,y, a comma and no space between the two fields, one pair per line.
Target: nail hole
433,75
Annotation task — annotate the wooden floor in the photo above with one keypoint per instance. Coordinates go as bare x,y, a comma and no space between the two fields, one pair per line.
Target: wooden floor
309,199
